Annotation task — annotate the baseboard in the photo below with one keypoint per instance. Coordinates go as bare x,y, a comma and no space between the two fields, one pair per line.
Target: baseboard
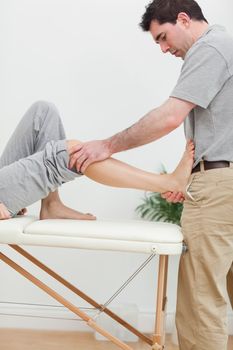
58,318
39,317
51,317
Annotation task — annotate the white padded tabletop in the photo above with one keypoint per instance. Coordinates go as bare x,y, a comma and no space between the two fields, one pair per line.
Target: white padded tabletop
14,226
128,235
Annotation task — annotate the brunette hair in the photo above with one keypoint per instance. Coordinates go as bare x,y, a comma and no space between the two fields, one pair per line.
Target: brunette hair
164,11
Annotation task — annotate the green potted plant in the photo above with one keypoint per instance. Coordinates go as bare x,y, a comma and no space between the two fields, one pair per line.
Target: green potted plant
155,208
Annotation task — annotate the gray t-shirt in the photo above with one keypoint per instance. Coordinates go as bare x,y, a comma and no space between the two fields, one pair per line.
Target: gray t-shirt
206,79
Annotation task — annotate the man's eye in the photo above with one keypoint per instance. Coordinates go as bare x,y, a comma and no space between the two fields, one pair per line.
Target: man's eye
162,37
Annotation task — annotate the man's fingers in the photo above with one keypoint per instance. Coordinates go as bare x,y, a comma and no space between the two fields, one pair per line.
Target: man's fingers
79,165
178,197
165,195
169,196
84,165
76,148
81,161
75,152
173,197
84,154
74,158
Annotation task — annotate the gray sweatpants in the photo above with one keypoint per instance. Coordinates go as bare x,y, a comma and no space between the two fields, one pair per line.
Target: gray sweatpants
35,160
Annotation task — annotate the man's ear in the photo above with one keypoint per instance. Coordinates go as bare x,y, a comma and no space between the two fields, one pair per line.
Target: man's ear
184,19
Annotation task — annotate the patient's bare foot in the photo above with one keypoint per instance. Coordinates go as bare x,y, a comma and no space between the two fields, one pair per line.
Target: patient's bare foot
179,178
57,210
53,208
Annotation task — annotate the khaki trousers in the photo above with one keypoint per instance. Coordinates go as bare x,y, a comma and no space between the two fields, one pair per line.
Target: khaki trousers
206,270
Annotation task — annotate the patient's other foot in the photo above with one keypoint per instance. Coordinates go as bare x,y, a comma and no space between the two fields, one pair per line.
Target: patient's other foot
57,210
53,208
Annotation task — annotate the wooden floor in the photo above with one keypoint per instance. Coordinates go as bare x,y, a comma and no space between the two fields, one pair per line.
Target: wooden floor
11,339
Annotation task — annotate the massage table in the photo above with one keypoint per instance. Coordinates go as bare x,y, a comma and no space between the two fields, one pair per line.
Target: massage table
151,238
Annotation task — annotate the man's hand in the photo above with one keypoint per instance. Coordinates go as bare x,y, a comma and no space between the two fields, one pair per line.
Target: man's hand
4,213
173,197
84,154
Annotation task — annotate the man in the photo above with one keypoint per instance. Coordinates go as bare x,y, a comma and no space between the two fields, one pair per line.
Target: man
203,99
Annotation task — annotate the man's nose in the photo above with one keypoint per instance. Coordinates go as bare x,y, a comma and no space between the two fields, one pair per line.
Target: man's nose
164,47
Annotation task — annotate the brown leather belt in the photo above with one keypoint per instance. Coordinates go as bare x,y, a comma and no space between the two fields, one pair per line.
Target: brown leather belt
211,165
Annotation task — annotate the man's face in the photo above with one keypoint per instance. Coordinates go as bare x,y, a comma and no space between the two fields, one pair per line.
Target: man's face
173,38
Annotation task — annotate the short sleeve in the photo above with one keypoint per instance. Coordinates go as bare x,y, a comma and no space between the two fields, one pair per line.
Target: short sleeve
203,74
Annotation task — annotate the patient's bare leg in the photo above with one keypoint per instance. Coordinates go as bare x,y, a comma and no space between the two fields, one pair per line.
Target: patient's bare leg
115,173
53,208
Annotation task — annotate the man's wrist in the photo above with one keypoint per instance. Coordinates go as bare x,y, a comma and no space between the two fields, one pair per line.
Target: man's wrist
109,144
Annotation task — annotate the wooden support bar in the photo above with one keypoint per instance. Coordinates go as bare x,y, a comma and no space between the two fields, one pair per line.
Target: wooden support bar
64,302
80,293
158,337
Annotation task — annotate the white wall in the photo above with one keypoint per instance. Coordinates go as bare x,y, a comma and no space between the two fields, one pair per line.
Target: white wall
91,59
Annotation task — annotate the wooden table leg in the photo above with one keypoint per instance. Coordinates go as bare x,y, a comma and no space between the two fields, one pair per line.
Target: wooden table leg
159,335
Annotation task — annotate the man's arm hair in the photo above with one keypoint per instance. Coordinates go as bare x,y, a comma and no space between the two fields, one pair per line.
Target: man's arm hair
154,125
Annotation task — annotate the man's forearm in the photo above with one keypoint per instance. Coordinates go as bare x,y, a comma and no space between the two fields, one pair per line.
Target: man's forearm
154,125
151,127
